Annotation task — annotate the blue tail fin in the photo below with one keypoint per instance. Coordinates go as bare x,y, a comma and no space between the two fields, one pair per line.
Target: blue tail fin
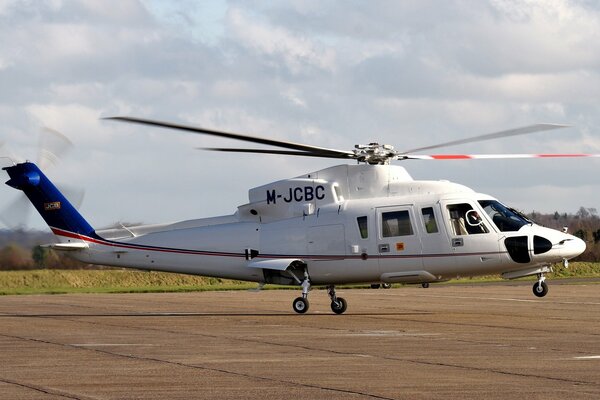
59,214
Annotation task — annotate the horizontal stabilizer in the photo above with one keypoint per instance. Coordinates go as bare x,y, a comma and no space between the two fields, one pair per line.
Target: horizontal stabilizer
67,246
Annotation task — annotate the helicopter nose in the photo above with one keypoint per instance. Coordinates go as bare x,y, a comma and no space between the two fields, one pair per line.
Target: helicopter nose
572,247
553,246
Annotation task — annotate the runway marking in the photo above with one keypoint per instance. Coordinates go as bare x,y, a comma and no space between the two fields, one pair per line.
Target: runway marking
587,358
508,299
389,334
108,344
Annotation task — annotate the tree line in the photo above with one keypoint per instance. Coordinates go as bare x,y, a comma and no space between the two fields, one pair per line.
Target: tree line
21,249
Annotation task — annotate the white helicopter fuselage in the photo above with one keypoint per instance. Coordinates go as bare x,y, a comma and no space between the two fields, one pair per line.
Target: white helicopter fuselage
344,224
364,223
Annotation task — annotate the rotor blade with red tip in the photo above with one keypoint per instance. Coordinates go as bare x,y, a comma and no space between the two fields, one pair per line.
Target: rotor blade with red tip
489,156
495,135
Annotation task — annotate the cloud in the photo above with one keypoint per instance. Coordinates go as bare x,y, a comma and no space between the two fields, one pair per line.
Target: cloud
296,52
332,74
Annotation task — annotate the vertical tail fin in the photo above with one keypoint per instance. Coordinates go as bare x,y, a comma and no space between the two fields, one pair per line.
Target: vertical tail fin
59,214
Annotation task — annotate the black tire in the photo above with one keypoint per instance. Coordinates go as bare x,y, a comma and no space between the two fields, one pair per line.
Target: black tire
386,285
425,285
300,305
540,291
375,285
340,306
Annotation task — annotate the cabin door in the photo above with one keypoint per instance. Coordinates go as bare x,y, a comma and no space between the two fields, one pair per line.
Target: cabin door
475,245
398,243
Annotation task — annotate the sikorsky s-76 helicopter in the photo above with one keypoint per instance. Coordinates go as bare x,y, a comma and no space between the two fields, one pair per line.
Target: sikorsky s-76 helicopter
368,222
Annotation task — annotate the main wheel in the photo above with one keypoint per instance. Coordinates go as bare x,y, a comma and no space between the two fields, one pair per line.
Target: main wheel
540,290
375,285
300,305
386,285
425,285
339,306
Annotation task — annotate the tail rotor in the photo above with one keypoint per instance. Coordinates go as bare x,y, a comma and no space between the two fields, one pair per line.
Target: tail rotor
52,146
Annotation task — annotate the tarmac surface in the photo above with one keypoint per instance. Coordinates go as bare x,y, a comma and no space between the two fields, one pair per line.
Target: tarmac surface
447,342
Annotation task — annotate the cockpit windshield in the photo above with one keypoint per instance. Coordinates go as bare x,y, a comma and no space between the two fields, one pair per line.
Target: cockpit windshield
505,218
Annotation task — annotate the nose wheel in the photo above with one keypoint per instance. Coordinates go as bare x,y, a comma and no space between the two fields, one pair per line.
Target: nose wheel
540,288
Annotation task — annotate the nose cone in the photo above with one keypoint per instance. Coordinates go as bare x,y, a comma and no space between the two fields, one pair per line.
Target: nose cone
552,246
572,247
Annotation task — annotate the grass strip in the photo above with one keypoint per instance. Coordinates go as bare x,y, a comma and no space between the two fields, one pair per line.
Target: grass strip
133,281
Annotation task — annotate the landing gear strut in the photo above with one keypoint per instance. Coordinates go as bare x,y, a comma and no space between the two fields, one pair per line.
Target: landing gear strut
540,288
338,304
300,304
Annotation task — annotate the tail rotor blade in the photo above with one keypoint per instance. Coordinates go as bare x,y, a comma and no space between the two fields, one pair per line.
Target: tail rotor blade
52,146
16,214
75,195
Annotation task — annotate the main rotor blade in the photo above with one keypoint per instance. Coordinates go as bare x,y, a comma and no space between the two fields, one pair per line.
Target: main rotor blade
496,135
489,156
280,152
229,135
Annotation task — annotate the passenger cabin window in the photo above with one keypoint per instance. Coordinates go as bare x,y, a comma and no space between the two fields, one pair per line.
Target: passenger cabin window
363,227
429,220
396,223
464,220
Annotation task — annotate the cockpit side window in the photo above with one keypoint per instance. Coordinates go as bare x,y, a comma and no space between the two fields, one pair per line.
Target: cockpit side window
363,227
429,220
464,220
506,219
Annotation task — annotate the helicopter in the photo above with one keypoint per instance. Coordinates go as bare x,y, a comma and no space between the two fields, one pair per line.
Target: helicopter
367,222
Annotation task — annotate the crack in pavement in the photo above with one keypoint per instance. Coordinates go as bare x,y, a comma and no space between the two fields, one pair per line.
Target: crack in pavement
343,353
46,390
201,367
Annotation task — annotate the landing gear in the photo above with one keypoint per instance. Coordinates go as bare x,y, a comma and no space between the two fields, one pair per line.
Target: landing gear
425,285
381,285
338,304
300,305
540,288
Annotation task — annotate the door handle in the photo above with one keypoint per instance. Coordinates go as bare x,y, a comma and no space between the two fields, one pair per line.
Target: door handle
384,248
456,242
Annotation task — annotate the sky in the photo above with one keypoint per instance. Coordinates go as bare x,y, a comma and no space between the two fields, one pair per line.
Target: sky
326,73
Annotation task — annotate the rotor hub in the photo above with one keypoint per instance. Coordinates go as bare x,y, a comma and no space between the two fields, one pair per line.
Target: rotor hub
374,153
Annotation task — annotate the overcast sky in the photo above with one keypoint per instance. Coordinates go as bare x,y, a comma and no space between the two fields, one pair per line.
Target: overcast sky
333,74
